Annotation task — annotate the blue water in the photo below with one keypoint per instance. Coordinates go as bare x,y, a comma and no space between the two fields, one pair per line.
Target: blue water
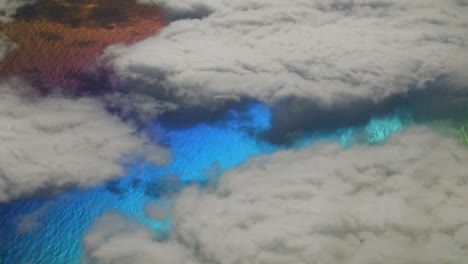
200,153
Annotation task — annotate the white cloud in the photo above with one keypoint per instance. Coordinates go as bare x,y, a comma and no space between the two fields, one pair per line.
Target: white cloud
330,51
159,210
54,142
400,202
115,239
5,45
8,8
183,9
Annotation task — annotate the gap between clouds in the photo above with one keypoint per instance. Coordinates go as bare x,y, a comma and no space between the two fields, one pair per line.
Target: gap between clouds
403,201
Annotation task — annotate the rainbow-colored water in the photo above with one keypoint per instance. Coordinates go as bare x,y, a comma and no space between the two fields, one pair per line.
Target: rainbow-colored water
59,41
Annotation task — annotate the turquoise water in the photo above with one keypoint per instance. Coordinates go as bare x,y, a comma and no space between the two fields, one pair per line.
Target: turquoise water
54,227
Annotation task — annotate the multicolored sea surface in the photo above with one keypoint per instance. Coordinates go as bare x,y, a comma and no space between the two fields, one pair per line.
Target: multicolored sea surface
59,41
57,52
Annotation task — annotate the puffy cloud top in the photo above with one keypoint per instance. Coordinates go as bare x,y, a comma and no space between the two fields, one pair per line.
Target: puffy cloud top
329,51
54,142
400,202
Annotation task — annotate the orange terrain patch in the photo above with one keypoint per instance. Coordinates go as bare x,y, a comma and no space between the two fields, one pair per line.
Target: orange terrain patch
59,41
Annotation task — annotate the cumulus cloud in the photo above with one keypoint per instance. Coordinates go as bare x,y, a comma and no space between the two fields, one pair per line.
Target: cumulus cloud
400,202
8,8
116,239
183,9
327,51
159,210
55,142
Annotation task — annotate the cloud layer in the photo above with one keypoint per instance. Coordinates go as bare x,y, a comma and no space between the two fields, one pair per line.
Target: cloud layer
54,142
327,51
400,202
